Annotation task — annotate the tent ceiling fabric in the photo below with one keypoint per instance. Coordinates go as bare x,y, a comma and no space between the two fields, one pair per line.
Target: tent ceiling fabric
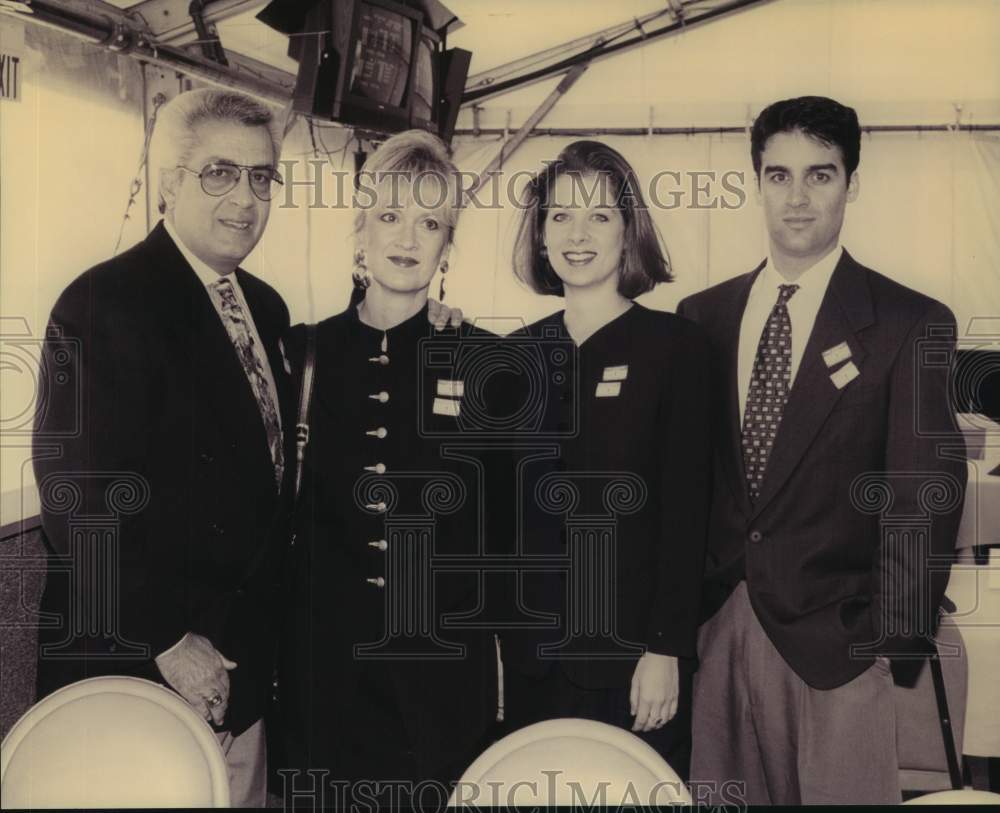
502,32
496,32
899,62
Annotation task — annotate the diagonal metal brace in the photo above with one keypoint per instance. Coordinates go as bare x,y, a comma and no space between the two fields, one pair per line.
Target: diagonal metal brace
208,38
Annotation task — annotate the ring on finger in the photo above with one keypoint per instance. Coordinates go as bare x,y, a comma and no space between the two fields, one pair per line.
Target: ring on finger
214,700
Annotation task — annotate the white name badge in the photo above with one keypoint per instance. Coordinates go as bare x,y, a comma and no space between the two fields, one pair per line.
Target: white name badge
834,355
451,389
445,406
845,375
609,389
619,373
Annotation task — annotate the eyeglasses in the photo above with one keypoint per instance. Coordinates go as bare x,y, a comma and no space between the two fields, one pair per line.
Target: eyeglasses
218,179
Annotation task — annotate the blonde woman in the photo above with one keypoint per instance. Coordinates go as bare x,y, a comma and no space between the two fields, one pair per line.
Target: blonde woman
376,690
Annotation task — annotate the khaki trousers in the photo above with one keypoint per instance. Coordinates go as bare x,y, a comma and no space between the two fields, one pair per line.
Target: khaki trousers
246,758
762,736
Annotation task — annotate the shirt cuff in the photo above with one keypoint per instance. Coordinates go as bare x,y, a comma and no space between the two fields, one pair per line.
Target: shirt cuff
171,649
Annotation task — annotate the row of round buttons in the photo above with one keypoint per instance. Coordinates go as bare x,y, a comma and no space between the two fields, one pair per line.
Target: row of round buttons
378,468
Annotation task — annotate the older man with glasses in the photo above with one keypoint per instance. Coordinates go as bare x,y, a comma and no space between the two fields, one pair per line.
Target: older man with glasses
178,388
166,509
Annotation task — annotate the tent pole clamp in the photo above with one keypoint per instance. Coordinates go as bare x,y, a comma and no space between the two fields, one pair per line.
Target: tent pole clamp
120,40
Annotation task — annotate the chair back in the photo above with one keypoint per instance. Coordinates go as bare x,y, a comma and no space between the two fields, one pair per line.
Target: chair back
111,742
569,762
921,709
957,797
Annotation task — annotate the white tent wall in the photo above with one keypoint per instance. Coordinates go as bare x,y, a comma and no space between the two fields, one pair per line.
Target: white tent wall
895,61
899,62
69,148
926,216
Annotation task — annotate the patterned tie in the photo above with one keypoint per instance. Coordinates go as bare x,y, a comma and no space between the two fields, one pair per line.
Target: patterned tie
253,360
769,386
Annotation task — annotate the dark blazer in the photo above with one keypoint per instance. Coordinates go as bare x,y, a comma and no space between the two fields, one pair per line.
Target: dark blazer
631,471
151,436
438,682
828,590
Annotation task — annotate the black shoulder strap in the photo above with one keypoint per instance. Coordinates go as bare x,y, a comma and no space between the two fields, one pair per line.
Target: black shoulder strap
305,398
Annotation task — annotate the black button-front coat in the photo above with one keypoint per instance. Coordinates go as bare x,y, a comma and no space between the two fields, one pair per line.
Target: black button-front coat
380,681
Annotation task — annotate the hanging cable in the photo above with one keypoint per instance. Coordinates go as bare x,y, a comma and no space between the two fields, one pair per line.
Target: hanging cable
158,101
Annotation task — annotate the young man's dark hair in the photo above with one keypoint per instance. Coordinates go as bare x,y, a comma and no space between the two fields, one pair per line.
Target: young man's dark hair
817,116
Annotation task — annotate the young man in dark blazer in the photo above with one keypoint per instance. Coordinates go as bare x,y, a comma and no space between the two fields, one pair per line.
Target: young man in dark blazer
836,503
177,388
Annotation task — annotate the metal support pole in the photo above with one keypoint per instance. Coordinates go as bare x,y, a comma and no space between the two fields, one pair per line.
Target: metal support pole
113,30
510,146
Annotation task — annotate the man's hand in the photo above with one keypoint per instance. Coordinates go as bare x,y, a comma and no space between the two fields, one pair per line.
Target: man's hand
198,672
655,688
441,316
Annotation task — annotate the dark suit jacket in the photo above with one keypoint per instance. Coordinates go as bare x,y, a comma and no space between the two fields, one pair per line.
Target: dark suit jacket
847,551
625,490
150,448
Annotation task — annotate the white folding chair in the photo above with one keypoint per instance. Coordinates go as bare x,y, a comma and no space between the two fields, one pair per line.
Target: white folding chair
112,742
930,717
569,762
957,797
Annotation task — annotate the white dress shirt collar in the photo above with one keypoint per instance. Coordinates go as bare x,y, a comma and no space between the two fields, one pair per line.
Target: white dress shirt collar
812,282
209,276
205,272
803,307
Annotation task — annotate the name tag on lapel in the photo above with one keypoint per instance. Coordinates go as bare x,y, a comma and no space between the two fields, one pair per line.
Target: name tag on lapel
451,389
446,406
834,355
619,373
609,389
845,375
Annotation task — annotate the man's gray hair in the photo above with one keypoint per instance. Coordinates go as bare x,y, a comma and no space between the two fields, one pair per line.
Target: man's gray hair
174,137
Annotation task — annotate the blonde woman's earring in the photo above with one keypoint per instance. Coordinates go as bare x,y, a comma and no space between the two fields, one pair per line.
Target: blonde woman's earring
361,275
443,268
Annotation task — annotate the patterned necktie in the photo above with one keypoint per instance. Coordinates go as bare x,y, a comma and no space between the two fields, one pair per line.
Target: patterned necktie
252,358
769,386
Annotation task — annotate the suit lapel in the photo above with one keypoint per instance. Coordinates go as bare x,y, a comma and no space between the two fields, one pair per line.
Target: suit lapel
845,311
731,451
199,334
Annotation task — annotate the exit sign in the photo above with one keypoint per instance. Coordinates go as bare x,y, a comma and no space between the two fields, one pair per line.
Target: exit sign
10,76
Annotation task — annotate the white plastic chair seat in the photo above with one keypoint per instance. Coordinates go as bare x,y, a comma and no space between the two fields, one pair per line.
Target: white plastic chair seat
566,762
957,797
112,742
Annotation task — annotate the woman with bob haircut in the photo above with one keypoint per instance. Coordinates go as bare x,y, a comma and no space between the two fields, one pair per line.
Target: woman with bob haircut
626,498
375,689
